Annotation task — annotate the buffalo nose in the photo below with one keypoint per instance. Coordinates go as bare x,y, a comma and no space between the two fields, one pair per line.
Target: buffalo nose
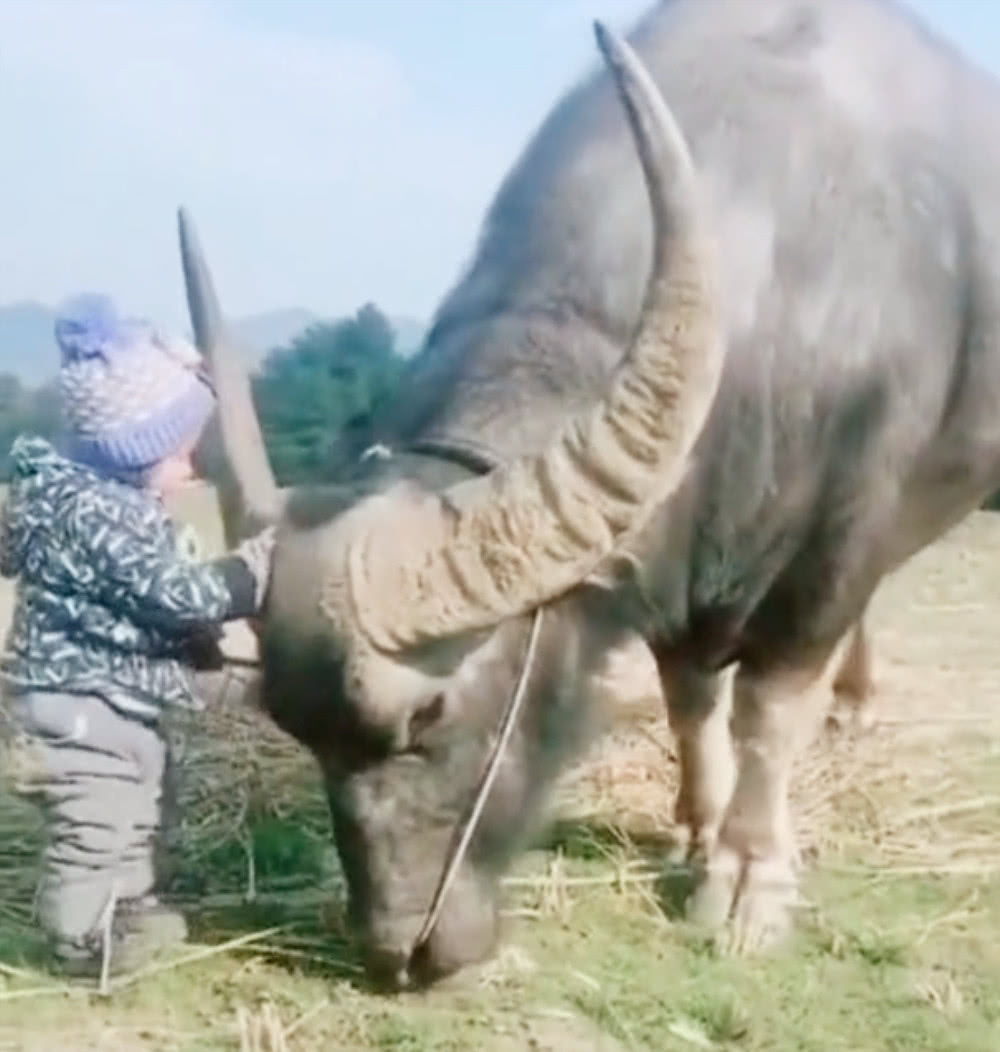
388,968
424,969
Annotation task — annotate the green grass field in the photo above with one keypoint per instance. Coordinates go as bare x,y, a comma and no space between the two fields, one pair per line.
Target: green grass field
898,949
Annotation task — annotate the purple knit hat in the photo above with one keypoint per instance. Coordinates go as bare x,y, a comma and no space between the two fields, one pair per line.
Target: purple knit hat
129,396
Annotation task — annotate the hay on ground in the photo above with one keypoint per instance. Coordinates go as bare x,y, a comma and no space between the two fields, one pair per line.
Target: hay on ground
899,795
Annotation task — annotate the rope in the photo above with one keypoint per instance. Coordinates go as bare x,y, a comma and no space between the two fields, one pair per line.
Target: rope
468,827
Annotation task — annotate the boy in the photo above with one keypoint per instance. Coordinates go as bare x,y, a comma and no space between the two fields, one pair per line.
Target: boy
109,614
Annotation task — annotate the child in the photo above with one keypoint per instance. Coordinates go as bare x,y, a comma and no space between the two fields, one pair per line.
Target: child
108,614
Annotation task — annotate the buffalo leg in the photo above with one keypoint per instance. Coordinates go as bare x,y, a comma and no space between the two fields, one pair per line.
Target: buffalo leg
700,724
854,683
748,885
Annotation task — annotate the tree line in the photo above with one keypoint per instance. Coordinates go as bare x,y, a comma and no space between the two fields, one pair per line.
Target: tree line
316,397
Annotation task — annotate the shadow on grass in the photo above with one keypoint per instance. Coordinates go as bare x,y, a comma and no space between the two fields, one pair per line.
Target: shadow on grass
597,840
299,890
303,944
22,946
292,869
307,943
314,940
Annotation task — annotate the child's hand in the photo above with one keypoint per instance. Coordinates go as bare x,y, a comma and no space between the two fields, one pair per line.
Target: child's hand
256,554
202,651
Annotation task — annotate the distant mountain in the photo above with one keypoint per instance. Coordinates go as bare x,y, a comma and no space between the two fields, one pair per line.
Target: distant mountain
27,347
259,333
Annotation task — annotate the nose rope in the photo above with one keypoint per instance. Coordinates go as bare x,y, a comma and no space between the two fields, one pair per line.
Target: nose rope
467,828
478,460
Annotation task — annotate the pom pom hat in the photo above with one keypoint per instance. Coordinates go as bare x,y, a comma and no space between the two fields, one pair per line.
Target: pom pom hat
130,396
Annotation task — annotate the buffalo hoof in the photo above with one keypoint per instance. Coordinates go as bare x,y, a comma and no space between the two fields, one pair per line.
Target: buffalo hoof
745,904
847,718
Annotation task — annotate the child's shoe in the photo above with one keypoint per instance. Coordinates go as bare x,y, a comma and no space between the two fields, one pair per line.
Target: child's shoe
149,921
142,929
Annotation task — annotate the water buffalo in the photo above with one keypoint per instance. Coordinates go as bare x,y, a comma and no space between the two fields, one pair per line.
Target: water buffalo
845,175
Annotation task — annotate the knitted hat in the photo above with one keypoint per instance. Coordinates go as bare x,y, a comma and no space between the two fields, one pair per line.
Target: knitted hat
130,397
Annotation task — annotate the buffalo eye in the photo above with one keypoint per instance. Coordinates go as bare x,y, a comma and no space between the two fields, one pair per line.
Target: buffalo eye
424,717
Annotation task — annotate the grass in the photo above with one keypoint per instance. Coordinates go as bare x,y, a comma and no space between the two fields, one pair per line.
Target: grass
887,962
898,947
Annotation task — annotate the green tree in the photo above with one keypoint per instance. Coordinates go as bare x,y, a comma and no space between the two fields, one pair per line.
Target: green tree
317,397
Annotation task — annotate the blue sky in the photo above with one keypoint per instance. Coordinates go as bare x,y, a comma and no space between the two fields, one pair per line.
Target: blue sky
332,151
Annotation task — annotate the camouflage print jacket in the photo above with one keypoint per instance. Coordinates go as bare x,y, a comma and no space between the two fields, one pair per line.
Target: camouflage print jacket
106,600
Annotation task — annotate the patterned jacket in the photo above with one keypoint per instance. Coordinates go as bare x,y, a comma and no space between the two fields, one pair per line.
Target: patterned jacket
106,600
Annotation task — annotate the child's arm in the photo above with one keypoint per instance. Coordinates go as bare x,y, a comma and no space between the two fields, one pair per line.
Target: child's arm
9,565
136,568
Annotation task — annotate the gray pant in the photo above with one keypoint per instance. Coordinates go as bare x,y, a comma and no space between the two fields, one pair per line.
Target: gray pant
98,777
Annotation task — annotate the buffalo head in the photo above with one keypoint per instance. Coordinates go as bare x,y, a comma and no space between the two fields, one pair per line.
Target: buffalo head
397,618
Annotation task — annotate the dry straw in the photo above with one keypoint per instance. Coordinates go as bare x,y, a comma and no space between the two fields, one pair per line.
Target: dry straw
912,795
855,798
